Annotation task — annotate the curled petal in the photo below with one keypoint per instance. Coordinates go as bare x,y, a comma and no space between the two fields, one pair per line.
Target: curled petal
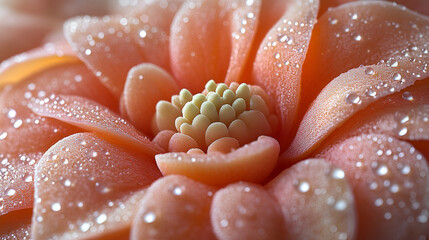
246,211
390,181
174,207
221,43
86,186
146,85
118,43
278,63
364,33
91,116
24,136
252,162
404,115
314,195
16,225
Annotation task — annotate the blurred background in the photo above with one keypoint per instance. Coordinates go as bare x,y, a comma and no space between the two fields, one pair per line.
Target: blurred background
26,24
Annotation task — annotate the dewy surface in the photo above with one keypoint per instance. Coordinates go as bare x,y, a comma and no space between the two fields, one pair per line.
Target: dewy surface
221,118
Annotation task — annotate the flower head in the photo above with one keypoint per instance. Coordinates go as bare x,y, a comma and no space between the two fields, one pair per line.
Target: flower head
223,119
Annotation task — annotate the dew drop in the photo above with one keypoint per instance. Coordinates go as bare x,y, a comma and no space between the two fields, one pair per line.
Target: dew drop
11,113
67,183
382,170
406,170
353,98
369,71
224,223
337,173
56,207
397,77
358,37
101,219
142,34
341,205
85,227
88,52
10,192
3,135
302,186
407,96
149,217
402,131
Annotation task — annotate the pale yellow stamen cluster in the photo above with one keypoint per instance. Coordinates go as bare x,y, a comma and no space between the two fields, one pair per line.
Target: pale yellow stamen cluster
240,111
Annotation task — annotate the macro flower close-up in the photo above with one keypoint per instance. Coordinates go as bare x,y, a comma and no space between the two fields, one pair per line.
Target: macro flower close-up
215,119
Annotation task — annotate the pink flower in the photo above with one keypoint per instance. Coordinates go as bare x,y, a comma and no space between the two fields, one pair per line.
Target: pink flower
316,129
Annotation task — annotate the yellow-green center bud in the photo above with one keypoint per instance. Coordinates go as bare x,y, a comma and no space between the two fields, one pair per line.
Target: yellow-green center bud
238,113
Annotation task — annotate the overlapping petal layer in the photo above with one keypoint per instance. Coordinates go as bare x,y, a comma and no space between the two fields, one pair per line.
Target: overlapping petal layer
390,182
86,186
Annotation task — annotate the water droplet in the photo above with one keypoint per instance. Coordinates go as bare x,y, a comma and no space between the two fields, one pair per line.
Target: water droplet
302,186
353,98
358,38
11,113
3,135
101,219
283,38
88,52
10,192
407,96
149,217
402,131
277,55
397,77
224,223
334,21
85,227
406,170
394,188
17,123
67,183
143,34
387,215
56,207
337,173
341,205
378,202
382,170
369,71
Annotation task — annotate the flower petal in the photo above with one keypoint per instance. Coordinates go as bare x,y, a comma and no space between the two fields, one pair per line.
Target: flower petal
363,33
246,211
91,116
278,63
24,136
252,162
16,225
20,67
216,48
174,207
404,115
87,187
111,45
146,85
390,181
314,196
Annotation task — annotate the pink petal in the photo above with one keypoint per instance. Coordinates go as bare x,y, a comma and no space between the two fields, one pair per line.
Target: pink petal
390,181
395,57
316,201
91,116
16,225
278,63
363,33
146,85
118,43
24,136
215,48
252,162
87,187
174,207
406,117
246,211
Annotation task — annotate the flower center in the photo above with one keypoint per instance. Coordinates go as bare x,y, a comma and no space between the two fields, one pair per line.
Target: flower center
220,118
